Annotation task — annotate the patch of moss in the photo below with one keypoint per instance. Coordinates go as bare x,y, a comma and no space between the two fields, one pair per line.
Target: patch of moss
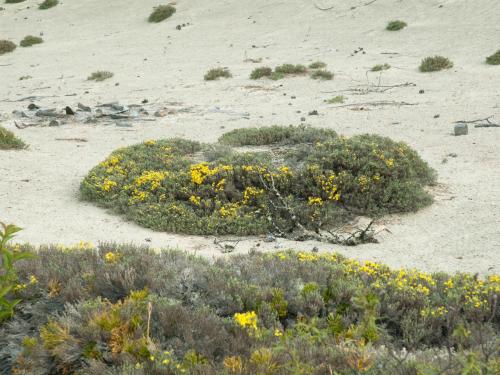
216,73
100,75
161,13
261,72
47,4
6,46
396,25
8,141
435,63
494,59
30,40
322,74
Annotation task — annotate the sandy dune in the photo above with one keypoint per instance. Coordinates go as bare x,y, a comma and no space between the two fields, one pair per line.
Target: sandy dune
39,186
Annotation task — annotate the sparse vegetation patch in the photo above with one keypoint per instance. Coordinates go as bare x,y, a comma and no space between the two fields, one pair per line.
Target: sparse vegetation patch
435,63
261,72
380,67
161,13
317,65
339,99
8,141
290,69
100,75
494,59
322,74
396,25
47,4
6,46
13,1
30,40
216,73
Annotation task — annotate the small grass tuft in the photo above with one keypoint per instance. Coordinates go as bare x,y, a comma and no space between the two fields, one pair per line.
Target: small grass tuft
161,13
322,74
380,67
47,4
8,141
289,69
317,65
261,72
6,46
30,40
339,99
216,73
100,75
494,59
396,25
435,63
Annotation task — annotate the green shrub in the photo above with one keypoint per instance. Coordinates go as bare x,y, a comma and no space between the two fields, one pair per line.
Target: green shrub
494,59
8,141
322,74
6,46
186,187
120,309
396,25
30,40
261,72
380,67
47,4
14,1
435,63
100,75
317,65
216,73
339,99
290,69
161,13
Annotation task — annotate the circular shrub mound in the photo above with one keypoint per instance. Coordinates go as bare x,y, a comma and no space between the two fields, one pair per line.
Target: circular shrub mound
289,177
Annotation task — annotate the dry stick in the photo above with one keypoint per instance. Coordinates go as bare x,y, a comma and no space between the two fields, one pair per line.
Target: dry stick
383,88
488,123
377,103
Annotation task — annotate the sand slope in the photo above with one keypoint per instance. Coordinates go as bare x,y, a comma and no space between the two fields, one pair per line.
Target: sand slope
39,186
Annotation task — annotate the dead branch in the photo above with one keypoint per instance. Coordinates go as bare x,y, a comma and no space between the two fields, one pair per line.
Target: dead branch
376,104
480,123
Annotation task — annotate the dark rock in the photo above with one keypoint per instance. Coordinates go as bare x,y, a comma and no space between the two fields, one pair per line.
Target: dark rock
54,123
84,107
33,106
69,111
313,113
461,129
46,113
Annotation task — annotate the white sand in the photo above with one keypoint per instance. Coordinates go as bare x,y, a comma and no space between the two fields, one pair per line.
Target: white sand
39,186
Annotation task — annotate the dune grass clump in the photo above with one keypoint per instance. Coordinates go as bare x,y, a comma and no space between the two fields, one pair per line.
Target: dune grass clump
122,309
161,13
47,4
380,67
290,69
261,72
181,186
30,40
322,74
396,25
8,141
6,46
435,63
317,65
494,59
100,75
216,73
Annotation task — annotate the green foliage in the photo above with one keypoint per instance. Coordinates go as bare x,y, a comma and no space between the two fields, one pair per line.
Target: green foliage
322,74
396,25
13,1
6,46
47,4
339,99
30,40
186,187
290,69
317,65
216,73
435,63
261,72
309,311
161,13
8,275
494,59
380,67
8,141
100,75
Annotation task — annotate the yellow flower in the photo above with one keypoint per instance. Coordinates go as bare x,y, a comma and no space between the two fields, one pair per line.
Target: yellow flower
246,320
150,142
200,172
278,333
165,362
152,358
154,178
108,184
233,364
195,200
448,284
110,257
315,201
33,280
389,163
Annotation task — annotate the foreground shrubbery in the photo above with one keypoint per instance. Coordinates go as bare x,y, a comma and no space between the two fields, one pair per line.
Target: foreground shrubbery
125,310
8,140
312,179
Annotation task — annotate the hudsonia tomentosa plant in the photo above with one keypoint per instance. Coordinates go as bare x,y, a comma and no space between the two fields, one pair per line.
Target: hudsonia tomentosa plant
261,72
6,46
435,63
47,4
161,13
396,25
100,75
380,67
30,40
494,59
216,73
8,141
322,74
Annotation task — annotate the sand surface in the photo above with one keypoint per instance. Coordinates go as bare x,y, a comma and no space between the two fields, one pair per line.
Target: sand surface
39,186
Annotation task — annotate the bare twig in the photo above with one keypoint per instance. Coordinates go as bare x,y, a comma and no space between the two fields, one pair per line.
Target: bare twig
376,104
480,123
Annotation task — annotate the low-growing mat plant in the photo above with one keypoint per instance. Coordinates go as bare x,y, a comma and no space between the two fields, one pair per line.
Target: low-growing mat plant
396,25
435,63
121,309
494,59
6,46
380,67
318,181
161,13
216,73
290,69
8,141
47,4
322,74
339,99
100,75
30,40
261,72
317,65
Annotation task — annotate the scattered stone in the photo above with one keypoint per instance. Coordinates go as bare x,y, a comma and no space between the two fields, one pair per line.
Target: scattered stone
270,238
160,113
313,113
315,249
293,97
436,116
69,111
145,101
33,106
46,113
461,129
452,155
421,92
302,119
54,123
84,108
